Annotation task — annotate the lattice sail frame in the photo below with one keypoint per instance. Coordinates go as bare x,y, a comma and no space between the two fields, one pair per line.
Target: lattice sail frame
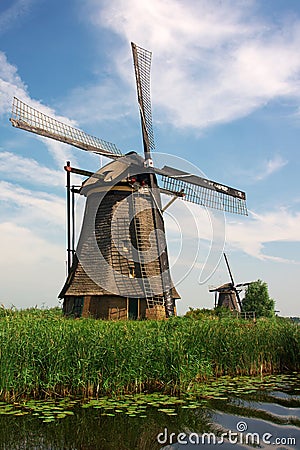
202,191
30,119
142,68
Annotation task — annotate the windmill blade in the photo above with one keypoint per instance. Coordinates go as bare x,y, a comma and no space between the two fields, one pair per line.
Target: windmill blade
202,191
30,119
142,67
244,284
232,282
238,298
229,271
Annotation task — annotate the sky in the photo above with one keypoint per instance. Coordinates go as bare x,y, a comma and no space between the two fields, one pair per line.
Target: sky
225,87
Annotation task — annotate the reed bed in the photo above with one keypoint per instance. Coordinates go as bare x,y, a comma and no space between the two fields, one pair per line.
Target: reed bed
43,354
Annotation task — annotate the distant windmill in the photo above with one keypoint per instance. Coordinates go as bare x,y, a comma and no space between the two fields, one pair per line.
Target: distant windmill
121,268
228,295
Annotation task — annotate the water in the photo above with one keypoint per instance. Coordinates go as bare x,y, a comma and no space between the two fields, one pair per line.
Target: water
234,413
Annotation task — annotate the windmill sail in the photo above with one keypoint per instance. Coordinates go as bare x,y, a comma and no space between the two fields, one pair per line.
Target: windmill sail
202,191
142,66
233,283
30,119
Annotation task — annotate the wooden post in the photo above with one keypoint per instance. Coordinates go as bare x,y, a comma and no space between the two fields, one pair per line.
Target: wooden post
69,258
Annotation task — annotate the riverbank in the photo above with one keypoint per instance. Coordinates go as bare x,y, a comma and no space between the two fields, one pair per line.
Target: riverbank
44,354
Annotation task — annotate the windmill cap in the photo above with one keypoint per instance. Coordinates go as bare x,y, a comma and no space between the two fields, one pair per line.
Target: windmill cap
114,172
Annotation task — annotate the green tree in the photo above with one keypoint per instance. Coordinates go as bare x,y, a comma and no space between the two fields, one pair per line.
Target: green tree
257,299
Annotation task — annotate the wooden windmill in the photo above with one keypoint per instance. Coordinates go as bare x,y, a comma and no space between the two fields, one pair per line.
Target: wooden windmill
120,268
228,295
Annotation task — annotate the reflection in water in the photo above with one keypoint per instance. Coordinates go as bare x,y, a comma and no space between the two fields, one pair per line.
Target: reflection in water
89,430
268,420
265,415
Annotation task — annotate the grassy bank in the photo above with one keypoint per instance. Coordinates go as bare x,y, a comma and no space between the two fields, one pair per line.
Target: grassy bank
44,354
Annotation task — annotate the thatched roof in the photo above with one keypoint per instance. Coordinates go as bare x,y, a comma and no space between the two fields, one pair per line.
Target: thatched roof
106,262
227,287
80,284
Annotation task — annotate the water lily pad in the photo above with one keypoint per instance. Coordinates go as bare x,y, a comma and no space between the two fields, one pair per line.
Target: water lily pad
166,410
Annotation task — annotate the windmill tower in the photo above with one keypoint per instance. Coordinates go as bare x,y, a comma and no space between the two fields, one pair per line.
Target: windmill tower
228,295
120,268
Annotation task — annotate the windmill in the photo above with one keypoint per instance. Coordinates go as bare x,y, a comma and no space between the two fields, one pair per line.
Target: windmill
120,268
228,295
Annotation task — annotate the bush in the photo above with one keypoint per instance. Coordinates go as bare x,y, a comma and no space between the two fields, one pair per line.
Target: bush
200,314
257,300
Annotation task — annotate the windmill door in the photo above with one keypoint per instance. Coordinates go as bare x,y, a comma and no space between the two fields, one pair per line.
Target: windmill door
133,308
78,306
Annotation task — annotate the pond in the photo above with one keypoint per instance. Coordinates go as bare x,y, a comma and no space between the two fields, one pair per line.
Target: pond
235,413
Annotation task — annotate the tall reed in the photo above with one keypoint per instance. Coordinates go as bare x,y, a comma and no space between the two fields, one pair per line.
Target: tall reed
43,354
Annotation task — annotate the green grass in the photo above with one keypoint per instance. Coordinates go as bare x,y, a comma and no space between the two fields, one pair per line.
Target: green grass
43,354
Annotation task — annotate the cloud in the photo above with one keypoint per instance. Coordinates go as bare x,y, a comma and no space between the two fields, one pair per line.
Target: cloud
13,13
27,170
85,99
30,248
211,65
263,169
162,22
193,226
11,85
33,268
252,234
30,207
272,165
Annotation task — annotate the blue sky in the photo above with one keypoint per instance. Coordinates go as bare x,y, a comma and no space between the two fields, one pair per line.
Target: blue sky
225,99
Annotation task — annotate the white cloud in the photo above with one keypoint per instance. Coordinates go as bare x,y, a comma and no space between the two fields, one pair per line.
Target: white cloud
84,100
193,226
33,268
211,65
272,165
252,234
262,169
11,85
16,10
167,24
31,207
28,170
30,248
